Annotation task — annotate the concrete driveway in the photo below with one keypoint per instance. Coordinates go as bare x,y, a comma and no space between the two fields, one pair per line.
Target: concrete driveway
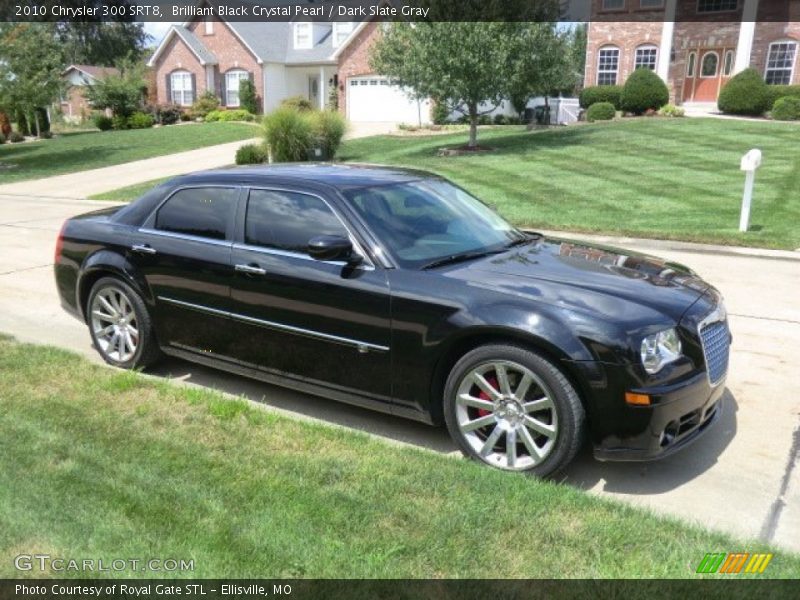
742,477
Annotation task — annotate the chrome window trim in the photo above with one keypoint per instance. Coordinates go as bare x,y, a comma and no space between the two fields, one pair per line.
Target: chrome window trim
186,236
300,255
289,253
358,344
718,315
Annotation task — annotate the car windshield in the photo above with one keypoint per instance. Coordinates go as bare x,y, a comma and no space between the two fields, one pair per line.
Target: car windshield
423,223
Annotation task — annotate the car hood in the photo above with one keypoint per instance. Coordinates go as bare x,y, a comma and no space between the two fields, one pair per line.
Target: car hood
591,277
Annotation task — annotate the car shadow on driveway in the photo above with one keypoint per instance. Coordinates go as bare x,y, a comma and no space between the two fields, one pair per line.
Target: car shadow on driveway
585,472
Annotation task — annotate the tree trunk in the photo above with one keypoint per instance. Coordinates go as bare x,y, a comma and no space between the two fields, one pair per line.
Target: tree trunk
473,125
36,120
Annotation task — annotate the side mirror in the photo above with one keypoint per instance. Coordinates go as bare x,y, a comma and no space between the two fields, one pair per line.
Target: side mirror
332,247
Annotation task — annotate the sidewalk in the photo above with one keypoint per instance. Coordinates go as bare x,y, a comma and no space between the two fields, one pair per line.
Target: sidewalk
96,181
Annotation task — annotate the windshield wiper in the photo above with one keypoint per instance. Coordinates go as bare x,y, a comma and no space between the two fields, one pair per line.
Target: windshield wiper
463,256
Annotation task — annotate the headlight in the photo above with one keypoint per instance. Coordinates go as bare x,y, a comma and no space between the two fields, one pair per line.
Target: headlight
660,349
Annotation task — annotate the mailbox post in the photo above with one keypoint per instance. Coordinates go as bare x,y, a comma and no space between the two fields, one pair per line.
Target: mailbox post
750,162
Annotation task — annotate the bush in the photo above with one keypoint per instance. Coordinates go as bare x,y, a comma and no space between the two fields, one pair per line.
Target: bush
205,104
251,154
670,110
745,94
289,133
643,91
484,120
439,113
500,120
329,129
781,91
601,93
297,103
168,114
229,115
513,120
102,122
786,109
45,135
247,96
2,139
120,122
601,111
140,120
16,137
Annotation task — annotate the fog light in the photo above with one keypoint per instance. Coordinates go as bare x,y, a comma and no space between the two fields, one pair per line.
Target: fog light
637,399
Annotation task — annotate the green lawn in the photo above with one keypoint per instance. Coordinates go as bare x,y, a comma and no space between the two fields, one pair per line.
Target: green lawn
110,464
128,193
660,178
79,151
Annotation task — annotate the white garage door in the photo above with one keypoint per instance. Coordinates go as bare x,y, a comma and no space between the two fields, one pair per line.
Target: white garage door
371,99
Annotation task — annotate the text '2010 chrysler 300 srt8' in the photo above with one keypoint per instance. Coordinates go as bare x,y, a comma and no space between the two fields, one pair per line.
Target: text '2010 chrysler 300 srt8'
396,290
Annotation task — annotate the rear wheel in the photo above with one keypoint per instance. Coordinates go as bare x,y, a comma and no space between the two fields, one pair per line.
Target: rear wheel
120,325
513,409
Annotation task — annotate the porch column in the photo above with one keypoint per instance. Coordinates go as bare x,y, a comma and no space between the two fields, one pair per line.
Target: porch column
667,34
323,88
747,32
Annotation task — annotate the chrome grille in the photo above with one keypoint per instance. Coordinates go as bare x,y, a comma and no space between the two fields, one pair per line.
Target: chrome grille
716,348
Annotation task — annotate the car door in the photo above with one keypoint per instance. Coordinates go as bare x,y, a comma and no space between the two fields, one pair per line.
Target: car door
323,321
183,251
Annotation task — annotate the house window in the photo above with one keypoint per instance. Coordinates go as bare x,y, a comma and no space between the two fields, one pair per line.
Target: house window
727,66
302,35
607,66
182,90
651,3
646,57
209,23
708,6
780,63
613,4
690,64
232,79
708,68
341,31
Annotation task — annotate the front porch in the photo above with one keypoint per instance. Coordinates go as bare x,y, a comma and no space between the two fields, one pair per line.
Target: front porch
312,82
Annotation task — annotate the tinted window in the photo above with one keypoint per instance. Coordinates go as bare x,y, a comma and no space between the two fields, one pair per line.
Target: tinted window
287,220
205,212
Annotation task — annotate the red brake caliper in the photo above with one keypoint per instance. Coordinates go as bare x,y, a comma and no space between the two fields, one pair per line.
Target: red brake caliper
492,381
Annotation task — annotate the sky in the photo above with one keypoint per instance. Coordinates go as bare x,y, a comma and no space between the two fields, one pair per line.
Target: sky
157,30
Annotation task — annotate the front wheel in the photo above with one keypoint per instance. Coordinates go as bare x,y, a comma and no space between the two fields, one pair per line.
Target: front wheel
514,410
120,325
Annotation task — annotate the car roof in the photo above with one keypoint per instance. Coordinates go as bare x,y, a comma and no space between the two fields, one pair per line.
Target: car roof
310,174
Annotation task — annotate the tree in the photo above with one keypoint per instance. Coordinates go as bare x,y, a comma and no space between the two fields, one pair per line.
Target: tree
102,43
247,96
30,69
123,93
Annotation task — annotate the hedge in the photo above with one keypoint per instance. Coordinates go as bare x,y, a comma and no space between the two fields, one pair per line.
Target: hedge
781,91
601,93
745,94
786,109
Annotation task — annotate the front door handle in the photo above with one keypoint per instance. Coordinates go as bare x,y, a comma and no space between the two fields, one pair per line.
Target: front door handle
143,249
251,269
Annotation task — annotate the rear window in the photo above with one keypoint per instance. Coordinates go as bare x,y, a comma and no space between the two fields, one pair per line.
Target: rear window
202,212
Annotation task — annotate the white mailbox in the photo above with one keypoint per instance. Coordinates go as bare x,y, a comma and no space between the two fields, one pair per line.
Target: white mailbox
750,162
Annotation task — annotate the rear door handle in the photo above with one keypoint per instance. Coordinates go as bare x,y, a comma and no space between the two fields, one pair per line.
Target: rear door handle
251,269
143,249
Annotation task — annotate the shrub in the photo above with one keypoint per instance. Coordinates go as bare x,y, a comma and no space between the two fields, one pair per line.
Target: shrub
247,96
45,135
500,120
2,139
484,120
670,110
289,133
298,103
229,115
601,93
781,91
5,124
786,109
643,91
16,137
205,104
251,154
601,111
140,120
168,114
329,128
439,113
102,122
745,94
120,122
513,120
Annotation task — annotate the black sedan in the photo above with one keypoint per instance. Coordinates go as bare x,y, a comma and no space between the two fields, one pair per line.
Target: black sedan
397,290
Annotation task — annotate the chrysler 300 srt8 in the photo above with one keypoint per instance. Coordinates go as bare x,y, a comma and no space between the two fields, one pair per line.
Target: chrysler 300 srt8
399,291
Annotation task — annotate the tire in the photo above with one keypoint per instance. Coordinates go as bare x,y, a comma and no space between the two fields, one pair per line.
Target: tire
485,408
120,326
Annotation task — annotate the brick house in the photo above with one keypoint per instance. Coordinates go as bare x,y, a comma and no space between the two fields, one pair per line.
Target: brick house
283,60
73,103
695,46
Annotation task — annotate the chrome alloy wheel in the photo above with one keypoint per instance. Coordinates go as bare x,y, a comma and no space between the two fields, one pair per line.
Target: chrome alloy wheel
114,324
507,415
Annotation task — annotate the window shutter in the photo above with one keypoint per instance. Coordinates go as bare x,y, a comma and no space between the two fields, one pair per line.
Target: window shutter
168,87
222,97
194,88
